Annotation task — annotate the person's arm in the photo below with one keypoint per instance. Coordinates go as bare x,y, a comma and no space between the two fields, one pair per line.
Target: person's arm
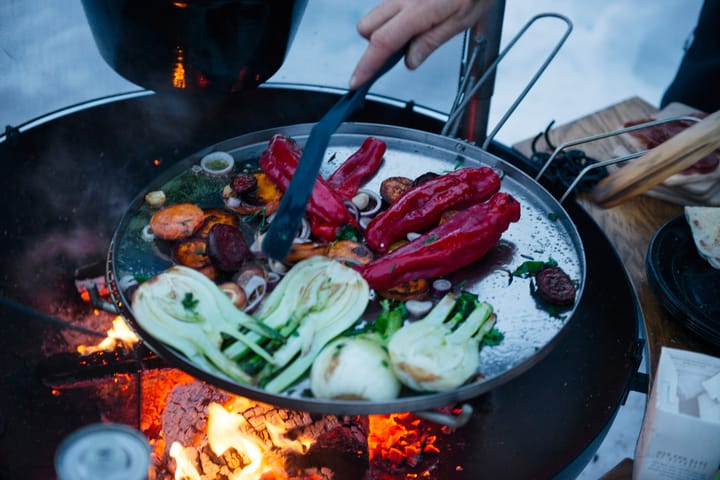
424,25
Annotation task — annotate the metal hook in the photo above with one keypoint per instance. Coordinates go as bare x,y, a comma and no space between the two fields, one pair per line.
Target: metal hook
600,136
453,421
466,91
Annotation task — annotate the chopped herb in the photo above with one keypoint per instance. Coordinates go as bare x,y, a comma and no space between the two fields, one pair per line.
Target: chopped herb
430,240
216,164
260,215
531,267
348,232
391,317
552,216
189,302
493,337
338,348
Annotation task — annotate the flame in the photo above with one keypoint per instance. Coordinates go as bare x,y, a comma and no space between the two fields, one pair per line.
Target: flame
185,469
179,70
118,333
277,434
241,438
227,429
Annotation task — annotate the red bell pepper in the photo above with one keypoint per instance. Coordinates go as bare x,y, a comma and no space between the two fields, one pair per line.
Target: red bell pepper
325,207
420,208
359,167
463,239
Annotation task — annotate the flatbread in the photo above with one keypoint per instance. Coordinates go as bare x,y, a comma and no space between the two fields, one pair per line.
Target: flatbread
705,227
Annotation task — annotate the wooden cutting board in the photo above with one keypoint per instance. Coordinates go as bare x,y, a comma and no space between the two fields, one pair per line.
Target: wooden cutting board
631,225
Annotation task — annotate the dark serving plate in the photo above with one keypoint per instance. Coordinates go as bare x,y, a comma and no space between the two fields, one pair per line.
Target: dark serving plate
685,283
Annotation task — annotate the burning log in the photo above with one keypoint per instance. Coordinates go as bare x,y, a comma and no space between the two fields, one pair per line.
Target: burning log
208,433
68,368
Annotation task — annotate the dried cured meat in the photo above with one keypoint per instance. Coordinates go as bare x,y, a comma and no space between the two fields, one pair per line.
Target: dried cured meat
651,137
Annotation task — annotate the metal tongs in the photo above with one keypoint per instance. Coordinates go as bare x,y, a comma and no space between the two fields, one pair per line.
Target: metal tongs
284,226
668,158
656,165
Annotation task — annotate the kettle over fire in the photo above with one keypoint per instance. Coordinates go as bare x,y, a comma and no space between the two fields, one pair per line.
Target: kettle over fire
194,46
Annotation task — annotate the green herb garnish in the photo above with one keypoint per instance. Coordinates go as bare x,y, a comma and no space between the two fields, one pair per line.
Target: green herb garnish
189,302
531,267
348,232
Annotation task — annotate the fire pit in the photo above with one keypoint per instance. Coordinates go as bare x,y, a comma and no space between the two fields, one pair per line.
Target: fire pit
68,181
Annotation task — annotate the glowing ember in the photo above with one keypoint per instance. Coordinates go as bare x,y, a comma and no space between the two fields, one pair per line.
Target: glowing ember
119,334
179,70
400,439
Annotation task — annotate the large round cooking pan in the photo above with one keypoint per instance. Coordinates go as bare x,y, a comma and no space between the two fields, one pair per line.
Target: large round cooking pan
545,231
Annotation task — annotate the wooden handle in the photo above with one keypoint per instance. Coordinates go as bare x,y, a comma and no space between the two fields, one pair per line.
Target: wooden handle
668,158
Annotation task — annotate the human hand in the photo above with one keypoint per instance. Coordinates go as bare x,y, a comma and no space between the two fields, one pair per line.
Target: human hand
422,24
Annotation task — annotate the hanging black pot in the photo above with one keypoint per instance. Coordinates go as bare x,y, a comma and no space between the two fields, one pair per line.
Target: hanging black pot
219,46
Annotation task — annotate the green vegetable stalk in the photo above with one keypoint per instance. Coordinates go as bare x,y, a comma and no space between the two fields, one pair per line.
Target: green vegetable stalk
186,310
316,301
440,351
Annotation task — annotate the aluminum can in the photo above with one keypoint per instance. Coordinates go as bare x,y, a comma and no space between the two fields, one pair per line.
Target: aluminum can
107,451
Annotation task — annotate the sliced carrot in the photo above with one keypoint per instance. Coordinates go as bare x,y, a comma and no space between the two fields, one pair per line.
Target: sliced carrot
176,221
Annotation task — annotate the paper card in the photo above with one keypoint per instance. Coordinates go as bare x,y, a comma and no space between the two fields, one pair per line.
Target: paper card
680,435
712,387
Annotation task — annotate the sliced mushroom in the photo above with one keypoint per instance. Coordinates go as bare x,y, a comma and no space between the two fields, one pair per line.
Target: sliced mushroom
393,188
248,270
253,280
255,289
235,293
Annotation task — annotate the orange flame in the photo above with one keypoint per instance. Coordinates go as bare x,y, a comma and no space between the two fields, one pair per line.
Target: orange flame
119,333
179,70
227,429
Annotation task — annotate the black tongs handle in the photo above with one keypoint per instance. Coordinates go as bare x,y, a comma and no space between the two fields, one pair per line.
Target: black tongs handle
283,228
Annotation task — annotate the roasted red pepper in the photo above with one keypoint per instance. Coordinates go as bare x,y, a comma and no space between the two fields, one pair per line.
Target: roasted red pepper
463,239
359,167
420,208
325,207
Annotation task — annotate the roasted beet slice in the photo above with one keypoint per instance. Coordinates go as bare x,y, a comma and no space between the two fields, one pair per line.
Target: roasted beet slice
227,247
244,183
555,286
